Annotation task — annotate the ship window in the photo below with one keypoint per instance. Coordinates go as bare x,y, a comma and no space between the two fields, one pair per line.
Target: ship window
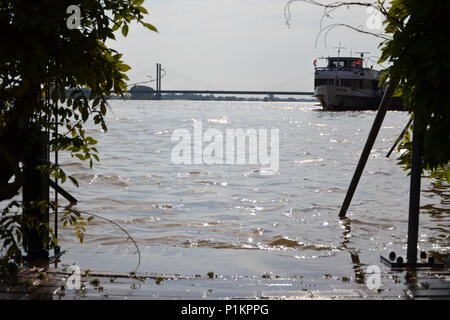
323,82
349,64
349,83
336,64
359,84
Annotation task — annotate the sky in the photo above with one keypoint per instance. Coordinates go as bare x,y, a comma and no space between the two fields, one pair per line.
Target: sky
238,44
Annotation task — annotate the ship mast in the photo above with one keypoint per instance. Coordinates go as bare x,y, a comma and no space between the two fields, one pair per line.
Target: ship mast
337,64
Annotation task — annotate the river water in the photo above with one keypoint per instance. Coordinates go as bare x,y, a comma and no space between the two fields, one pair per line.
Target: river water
231,219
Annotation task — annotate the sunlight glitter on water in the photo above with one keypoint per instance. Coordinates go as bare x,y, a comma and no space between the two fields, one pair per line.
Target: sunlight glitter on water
219,207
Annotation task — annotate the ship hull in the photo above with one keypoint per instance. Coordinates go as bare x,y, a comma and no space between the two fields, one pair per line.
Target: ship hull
343,99
345,85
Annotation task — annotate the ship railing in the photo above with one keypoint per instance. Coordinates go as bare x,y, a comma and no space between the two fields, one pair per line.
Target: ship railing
340,69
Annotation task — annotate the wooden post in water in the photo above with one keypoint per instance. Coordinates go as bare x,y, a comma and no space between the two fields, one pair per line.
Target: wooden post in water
414,194
384,105
35,189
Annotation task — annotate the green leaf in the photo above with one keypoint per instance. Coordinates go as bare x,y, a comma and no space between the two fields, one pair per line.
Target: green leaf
116,25
448,175
123,67
84,114
74,181
96,102
125,30
103,109
142,10
91,141
150,26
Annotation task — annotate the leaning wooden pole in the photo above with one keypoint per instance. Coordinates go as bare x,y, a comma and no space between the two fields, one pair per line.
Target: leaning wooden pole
414,194
384,105
399,138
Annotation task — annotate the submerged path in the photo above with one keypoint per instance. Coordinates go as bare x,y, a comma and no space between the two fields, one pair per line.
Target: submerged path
50,284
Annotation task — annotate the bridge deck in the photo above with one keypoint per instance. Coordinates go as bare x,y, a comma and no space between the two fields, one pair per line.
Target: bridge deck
238,92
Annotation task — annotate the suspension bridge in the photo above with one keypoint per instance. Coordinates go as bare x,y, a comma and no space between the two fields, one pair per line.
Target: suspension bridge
161,73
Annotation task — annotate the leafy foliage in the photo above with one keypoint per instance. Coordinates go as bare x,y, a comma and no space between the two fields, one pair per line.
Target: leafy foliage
40,61
415,44
44,58
419,53
12,225
77,221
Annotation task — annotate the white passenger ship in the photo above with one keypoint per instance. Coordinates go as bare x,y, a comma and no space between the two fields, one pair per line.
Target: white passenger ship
345,84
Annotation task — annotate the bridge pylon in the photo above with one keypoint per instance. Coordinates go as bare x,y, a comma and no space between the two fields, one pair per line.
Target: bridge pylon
158,82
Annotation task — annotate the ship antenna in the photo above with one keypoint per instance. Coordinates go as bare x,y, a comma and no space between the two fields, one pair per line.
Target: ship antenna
362,54
337,64
339,51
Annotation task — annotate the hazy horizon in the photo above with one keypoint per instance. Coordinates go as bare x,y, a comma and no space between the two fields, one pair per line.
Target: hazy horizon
238,44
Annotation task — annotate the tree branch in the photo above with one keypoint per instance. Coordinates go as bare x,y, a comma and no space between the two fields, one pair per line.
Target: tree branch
329,8
9,190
